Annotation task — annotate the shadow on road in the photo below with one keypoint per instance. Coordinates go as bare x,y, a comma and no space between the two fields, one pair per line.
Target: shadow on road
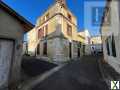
82,74
33,67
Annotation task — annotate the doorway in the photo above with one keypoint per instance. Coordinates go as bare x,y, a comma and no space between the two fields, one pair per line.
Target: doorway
6,55
70,50
38,49
83,49
78,52
45,48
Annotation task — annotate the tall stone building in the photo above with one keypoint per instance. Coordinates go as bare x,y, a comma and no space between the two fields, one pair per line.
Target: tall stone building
55,35
110,30
87,37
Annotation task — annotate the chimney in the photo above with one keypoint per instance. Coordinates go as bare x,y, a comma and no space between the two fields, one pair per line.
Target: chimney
62,2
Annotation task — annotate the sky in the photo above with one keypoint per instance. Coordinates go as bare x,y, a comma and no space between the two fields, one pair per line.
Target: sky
32,9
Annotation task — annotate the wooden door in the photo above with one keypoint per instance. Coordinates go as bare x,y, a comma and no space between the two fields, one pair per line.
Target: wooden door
6,52
45,48
38,49
83,49
78,52
70,50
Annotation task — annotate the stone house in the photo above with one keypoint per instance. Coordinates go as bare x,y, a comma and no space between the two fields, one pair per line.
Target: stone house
12,29
87,41
110,30
55,35
96,44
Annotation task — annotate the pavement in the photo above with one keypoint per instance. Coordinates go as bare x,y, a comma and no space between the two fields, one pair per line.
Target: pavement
82,74
108,72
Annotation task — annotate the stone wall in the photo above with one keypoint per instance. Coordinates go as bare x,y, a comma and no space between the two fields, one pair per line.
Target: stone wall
58,50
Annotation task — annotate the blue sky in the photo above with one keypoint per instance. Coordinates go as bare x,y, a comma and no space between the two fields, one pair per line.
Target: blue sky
32,9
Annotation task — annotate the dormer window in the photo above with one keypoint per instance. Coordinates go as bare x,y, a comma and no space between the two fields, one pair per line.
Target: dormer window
47,16
69,30
46,30
40,33
69,16
44,18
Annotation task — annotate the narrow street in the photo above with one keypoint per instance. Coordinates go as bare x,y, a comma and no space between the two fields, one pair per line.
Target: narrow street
59,45
78,75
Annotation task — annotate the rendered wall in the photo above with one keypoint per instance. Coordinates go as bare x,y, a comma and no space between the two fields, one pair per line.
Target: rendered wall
11,29
115,30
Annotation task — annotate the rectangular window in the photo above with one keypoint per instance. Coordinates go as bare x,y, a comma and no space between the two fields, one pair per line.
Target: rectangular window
40,33
69,16
113,47
47,16
107,46
110,45
46,30
69,30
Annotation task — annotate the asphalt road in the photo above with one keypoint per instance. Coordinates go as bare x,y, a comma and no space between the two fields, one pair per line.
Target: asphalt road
34,67
83,74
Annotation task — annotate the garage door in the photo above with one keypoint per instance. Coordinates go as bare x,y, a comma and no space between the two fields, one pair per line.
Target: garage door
6,50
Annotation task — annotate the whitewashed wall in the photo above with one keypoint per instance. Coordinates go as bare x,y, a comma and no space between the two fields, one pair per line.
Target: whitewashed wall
114,28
